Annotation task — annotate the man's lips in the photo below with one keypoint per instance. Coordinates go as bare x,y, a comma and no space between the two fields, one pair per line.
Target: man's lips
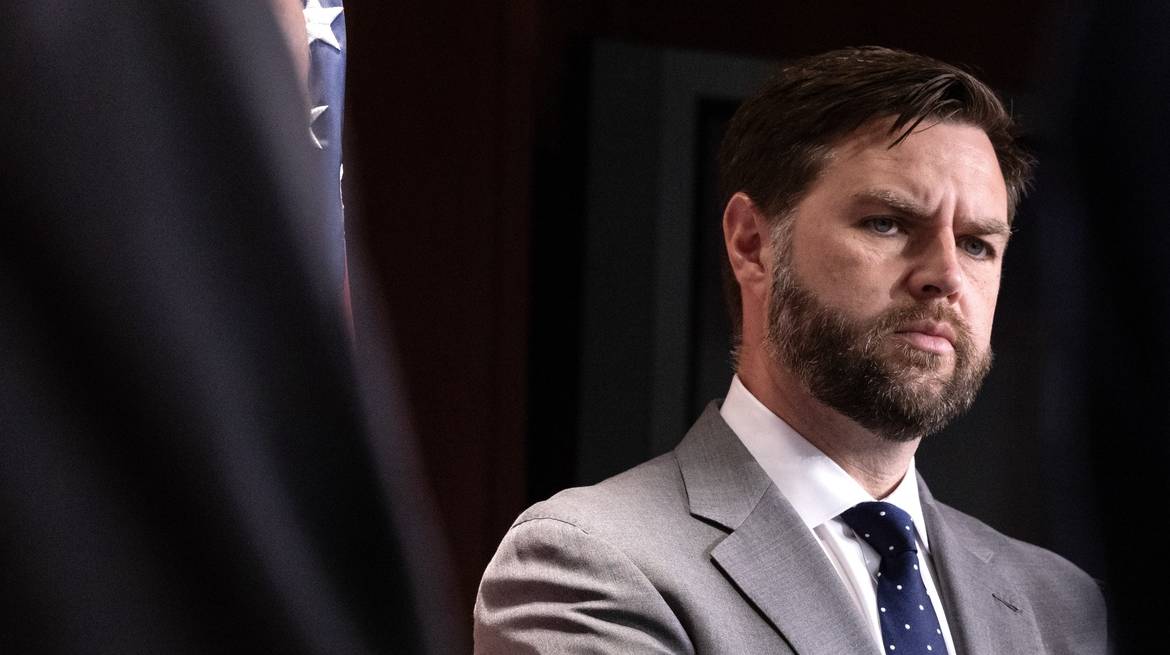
932,336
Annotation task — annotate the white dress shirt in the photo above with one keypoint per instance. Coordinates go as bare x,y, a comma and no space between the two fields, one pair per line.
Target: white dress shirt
820,490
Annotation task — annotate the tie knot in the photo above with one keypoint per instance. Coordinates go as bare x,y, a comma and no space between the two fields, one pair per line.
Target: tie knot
885,527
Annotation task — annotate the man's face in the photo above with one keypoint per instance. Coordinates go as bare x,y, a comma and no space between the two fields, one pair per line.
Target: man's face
886,277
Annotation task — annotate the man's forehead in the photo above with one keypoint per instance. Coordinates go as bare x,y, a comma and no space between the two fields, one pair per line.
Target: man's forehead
906,174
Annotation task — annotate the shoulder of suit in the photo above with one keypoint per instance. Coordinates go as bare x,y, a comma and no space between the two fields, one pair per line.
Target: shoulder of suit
653,488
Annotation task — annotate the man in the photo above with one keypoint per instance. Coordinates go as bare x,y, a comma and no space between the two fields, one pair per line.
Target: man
870,198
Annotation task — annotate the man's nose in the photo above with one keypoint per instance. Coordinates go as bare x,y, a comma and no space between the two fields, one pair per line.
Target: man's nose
936,272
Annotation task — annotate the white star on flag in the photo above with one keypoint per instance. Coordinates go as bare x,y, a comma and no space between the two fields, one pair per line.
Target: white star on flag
319,23
313,114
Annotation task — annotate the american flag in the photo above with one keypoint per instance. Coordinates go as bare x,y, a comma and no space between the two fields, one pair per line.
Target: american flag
325,25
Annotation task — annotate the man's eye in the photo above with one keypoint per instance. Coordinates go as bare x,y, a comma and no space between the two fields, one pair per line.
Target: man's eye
975,247
883,225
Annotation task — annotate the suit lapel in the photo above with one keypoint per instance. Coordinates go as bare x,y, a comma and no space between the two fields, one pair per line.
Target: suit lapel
986,614
770,555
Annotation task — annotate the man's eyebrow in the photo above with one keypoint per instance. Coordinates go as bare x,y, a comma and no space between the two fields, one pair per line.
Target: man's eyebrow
892,200
904,205
989,227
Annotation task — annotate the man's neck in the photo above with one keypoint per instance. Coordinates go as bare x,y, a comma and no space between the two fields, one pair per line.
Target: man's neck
876,463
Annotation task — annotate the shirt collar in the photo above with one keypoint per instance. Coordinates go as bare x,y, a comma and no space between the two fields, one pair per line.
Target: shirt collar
816,486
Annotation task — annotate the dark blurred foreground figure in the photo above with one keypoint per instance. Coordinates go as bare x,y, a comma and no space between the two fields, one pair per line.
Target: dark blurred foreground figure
188,463
869,201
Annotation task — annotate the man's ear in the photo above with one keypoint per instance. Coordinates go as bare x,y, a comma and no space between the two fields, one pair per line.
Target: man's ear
747,239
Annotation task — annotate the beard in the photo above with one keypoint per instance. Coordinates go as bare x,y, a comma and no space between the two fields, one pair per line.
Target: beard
863,371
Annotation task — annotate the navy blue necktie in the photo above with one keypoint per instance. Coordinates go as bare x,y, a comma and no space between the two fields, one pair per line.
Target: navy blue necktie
908,622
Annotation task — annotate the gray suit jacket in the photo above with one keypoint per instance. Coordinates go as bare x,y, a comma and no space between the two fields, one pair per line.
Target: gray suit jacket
697,552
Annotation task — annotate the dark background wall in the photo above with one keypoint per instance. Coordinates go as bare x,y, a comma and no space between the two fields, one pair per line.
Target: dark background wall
467,164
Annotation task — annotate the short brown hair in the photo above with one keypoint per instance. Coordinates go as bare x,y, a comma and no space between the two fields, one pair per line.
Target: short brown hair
777,142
